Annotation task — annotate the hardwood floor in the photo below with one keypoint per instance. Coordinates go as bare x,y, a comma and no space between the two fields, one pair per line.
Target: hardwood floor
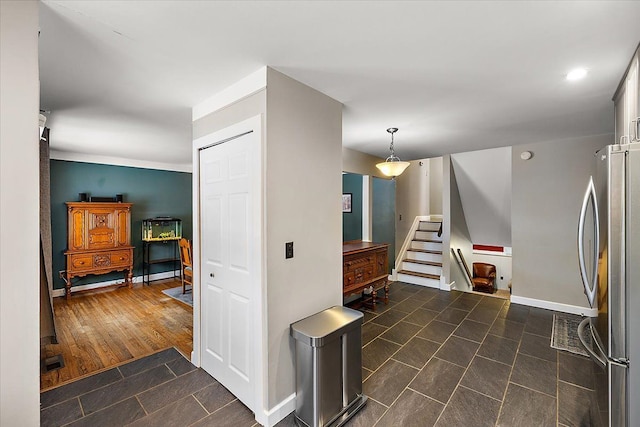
503,293
104,328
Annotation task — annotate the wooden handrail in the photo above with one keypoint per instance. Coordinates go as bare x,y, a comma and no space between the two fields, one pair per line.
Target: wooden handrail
466,267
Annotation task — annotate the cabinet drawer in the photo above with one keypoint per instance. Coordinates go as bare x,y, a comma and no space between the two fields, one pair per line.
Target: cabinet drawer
349,279
90,261
353,263
120,258
369,271
382,263
81,262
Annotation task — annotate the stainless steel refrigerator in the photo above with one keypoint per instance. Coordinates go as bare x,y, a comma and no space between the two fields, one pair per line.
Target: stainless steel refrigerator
609,259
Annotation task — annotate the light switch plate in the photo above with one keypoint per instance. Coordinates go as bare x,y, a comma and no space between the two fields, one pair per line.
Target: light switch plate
288,250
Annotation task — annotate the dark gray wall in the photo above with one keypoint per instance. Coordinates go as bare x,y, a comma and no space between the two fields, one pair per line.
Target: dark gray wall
152,192
384,214
352,221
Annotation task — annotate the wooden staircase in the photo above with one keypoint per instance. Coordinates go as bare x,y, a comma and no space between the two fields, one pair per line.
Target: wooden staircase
423,262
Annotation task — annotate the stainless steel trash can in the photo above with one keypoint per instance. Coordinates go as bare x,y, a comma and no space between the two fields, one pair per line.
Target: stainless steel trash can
328,367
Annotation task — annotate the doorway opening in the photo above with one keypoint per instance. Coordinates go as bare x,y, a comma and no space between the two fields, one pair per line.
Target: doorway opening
103,328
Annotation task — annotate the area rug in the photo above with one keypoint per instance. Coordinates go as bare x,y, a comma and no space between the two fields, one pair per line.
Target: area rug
564,335
176,293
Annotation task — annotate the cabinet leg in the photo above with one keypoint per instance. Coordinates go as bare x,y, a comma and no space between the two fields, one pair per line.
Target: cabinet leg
374,294
129,277
67,287
386,292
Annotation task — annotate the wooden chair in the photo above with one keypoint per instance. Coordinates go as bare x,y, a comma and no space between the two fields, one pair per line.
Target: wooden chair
186,271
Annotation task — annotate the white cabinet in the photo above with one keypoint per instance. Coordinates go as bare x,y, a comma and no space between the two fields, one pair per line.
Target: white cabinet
627,104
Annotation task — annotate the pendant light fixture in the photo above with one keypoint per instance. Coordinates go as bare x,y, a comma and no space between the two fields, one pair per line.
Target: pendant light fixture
393,166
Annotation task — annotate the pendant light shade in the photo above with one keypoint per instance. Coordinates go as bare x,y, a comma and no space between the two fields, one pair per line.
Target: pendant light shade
393,166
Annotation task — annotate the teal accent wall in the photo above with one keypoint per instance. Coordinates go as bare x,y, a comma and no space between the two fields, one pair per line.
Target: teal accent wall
384,214
152,192
352,222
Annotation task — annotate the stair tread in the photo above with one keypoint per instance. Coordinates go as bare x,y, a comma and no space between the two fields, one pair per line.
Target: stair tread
426,251
425,275
427,240
417,261
436,224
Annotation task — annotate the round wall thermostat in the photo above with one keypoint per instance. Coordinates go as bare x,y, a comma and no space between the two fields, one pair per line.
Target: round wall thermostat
526,155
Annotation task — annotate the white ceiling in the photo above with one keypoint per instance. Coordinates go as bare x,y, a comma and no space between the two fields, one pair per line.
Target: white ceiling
120,77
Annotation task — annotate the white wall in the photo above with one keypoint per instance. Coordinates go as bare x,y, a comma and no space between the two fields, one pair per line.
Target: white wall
243,109
304,196
484,182
435,185
361,163
418,193
19,221
302,145
547,195
412,198
204,124
454,229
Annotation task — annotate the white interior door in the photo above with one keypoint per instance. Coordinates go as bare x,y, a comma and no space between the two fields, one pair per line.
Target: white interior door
230,261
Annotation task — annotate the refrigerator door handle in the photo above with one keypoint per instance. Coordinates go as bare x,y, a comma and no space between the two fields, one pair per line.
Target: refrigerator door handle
589,281
633,130
598,358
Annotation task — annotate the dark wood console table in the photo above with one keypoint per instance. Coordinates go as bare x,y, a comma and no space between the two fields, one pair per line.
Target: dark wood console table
364,265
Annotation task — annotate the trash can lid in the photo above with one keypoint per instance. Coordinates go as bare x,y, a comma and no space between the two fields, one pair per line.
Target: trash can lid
326,325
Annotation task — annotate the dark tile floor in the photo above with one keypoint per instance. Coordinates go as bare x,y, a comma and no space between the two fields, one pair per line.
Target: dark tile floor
163,389
429,358
435,358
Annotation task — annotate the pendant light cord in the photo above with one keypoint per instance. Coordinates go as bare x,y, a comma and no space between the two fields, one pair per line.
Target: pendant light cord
393,154
392,157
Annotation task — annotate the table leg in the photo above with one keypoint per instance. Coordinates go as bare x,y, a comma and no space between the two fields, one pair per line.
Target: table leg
386,292
67,286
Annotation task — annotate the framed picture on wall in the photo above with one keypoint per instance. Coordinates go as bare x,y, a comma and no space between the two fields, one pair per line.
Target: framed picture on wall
346,203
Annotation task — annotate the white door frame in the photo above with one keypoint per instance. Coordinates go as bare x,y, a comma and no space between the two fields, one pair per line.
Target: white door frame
253,124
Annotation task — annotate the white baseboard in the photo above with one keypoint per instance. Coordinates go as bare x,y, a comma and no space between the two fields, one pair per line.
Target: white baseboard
97,285
446,286
279,412
556,306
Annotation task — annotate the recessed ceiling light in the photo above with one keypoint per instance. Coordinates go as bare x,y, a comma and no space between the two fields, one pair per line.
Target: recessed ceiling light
576,74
